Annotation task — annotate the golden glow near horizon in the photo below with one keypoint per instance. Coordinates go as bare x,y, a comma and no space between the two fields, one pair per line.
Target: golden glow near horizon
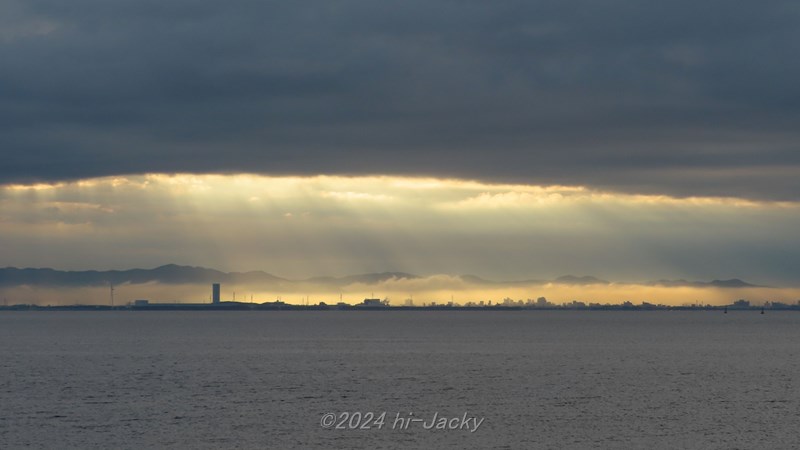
447,193
438,289
334,225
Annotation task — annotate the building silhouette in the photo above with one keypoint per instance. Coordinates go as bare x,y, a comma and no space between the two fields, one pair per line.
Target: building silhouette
215,293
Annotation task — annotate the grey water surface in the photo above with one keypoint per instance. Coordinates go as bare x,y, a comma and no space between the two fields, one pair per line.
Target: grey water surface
266,379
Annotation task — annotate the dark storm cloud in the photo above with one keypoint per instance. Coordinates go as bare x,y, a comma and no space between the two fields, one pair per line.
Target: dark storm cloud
683,98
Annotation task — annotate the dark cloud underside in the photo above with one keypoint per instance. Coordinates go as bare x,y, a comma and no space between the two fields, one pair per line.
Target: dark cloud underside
683,98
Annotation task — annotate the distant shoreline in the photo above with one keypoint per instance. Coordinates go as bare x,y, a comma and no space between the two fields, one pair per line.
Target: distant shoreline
278,306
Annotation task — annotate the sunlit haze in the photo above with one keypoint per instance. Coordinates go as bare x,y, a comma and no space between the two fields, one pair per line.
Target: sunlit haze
524,236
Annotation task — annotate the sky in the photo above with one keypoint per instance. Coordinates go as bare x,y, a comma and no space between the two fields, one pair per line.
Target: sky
632,141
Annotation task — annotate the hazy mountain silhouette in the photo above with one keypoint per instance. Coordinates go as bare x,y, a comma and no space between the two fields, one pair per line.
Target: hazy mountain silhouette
732,283
366,278
474,279
571,279
173,274
176,274
167,274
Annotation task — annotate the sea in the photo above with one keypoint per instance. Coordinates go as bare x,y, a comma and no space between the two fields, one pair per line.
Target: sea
360,379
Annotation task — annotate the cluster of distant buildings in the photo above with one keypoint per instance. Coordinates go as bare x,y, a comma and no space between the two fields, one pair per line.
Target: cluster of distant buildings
540,303
377,304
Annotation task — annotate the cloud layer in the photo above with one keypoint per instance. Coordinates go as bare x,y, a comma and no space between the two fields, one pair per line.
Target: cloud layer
679,98
299,227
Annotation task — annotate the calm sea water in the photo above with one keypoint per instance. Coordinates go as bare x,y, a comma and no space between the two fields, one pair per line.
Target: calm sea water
539,379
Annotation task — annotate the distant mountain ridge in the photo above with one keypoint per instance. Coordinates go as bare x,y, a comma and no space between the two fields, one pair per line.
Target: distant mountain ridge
167,274
366,278
177,274
571,279
173,274
731,283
